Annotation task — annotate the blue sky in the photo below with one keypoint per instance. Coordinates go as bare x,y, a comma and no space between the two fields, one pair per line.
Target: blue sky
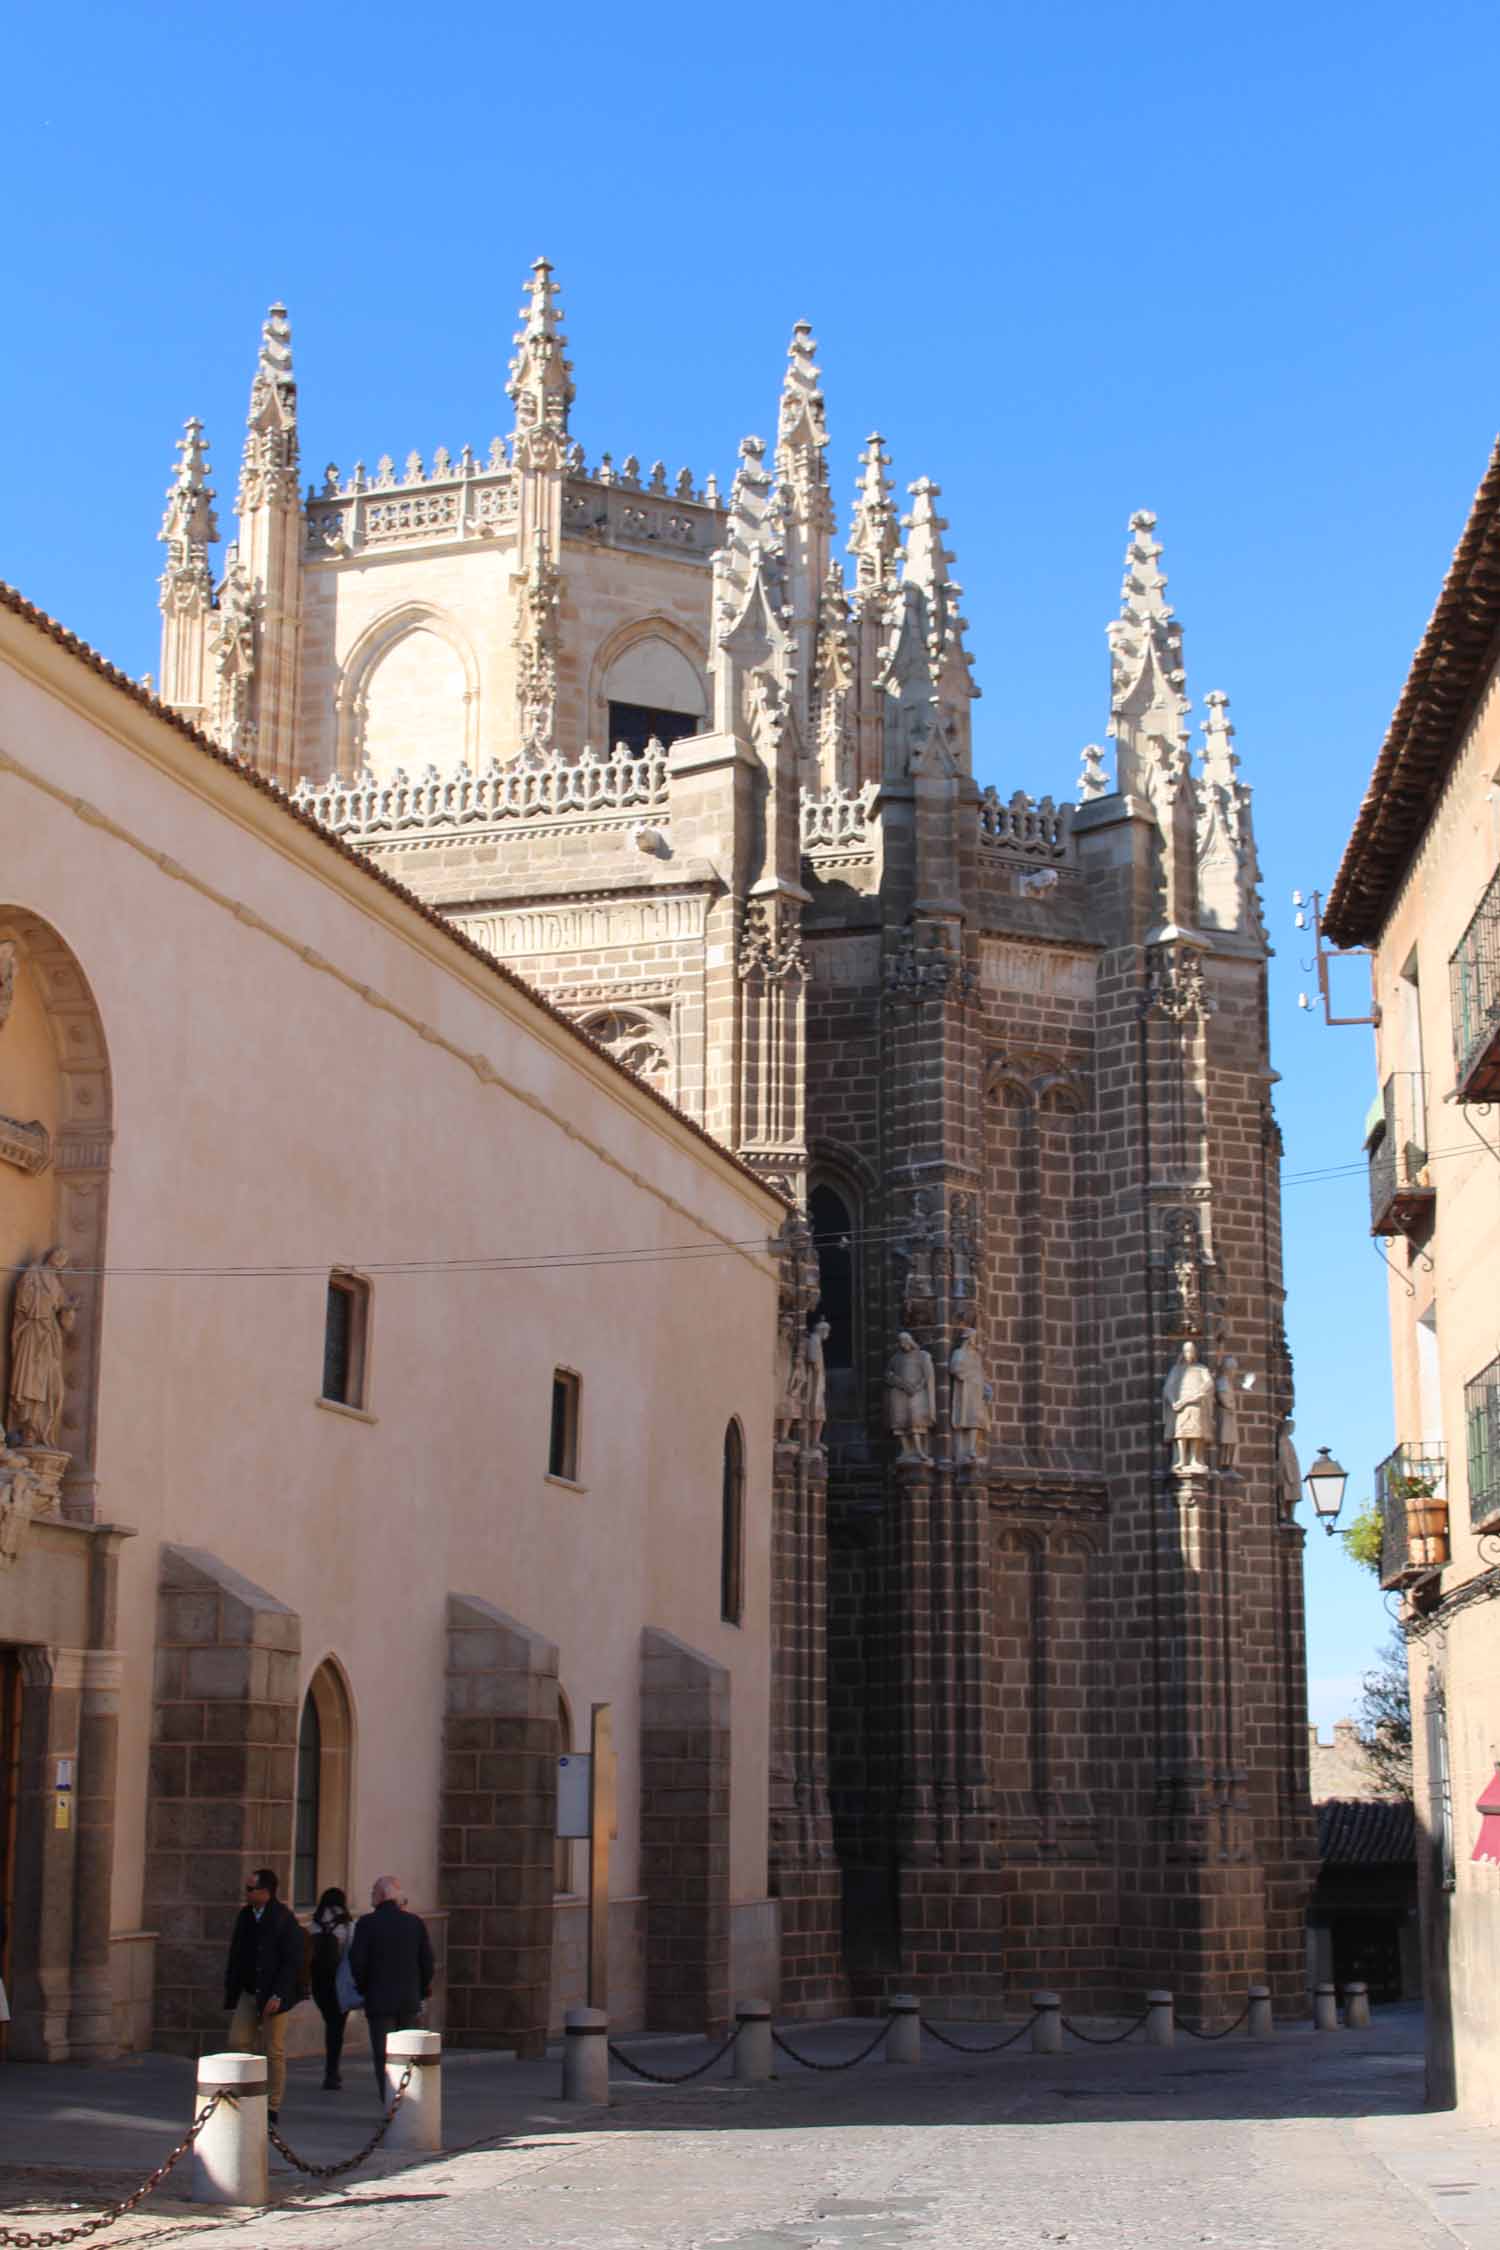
1236,266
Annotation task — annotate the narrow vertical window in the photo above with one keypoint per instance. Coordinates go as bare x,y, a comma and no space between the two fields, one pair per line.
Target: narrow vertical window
309,1791
732,1552
562,1447
346,1327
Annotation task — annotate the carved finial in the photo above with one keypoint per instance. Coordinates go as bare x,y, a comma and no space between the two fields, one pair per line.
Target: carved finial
1228,868
802,434
926,560
1220,758
1148,706
268,472
1093,779
876,536
541,378
190,521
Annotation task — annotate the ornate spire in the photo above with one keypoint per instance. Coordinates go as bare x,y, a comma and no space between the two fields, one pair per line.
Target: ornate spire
1228,870
833,687
539,611
753,655
925,566
876,537
802,436
1148,706
268,471
189,526
541,378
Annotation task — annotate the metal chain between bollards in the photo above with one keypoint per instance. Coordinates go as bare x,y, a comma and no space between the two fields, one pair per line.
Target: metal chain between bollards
18,2238
849,2062
332,2171
990,2047
1194,2033
674,2077
1109,2039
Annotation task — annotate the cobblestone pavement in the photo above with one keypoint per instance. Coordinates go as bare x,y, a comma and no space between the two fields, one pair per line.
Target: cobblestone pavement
1307,2141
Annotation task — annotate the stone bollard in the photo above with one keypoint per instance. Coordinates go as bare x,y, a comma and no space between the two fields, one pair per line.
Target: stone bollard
1046,2023
1325,2008
1260,2025
752,2048
1161,2023
585,2055
904,2039
229,2155
1356,2007
418,2123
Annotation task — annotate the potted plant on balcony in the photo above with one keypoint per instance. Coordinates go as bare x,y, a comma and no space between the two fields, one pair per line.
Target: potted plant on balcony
1426,1523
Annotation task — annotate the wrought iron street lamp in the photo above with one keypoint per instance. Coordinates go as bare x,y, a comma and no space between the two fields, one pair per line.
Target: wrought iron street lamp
1325,1482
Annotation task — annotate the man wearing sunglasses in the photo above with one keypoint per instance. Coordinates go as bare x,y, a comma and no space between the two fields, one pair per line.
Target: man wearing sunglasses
260,1981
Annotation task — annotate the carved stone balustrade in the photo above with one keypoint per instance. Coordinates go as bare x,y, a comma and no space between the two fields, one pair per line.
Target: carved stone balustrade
561,789
1035,827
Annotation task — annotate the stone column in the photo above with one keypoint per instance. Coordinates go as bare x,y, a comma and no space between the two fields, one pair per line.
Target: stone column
47,1854
91,2023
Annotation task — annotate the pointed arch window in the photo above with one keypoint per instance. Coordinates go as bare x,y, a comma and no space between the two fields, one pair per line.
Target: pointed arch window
732,1528
833,1239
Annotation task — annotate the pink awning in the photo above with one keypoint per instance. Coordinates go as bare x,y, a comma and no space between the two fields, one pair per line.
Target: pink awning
1487,1842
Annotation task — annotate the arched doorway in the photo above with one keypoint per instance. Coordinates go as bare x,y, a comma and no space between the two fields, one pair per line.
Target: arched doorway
325,1765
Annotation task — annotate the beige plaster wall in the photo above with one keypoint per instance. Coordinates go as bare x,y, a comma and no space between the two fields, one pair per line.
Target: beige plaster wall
307,1075
1457,860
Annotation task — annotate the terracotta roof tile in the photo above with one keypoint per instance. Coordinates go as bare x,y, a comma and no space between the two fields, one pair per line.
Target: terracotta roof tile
16,602
1367,1832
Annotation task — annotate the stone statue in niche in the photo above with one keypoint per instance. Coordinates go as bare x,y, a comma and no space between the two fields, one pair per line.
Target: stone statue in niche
815,1384
969,1409
20,1489
1227,1420
44,1315
910,1397
1288,1470
921,1243
791,1375
1189,1407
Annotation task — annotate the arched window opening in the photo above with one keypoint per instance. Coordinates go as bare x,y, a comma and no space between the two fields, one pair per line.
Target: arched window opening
653,691
562,1849
320,1833
732,1536
309,1791
833,1239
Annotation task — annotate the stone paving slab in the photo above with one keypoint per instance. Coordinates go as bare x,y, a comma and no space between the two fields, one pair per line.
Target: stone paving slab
1305,2141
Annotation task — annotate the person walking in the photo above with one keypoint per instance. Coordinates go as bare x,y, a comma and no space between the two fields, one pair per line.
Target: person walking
333,1929
390,1959
260,1980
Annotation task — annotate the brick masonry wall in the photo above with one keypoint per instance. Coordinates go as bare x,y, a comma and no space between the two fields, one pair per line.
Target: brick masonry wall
685,1720
222,1775
498,1816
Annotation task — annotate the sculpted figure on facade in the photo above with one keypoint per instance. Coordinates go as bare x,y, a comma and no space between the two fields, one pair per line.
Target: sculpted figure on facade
1227,1421
1288,1470
1189,1406
969,1408
910,1397
815,1384
791,1377
44,1315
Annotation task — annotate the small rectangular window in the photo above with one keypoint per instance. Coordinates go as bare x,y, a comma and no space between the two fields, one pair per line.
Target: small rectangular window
346,1328
562,1450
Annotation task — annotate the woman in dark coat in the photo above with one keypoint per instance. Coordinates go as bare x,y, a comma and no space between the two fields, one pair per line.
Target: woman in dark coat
333,1927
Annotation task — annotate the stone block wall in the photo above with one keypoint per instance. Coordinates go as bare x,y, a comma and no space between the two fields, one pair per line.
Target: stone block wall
497,1821
685,1835
222,1777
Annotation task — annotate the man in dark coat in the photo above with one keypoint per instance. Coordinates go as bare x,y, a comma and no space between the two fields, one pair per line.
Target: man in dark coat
390,1959
261,1977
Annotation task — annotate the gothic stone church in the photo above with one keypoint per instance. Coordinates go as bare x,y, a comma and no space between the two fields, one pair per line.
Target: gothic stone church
1038,1693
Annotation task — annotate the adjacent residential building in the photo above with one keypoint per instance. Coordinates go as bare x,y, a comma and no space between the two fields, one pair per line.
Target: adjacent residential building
1419,885
389,1381
1038,1711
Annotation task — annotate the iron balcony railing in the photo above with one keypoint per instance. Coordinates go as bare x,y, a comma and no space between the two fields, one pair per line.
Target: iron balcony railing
1411,1490
1401,1194
1482,1428
1474,994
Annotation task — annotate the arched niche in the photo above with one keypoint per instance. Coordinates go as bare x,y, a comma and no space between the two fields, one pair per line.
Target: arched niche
654,677
56,1138
408,696
322,1819
832,1215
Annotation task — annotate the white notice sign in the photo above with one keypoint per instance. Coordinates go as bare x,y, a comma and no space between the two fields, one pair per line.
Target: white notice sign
573,1793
